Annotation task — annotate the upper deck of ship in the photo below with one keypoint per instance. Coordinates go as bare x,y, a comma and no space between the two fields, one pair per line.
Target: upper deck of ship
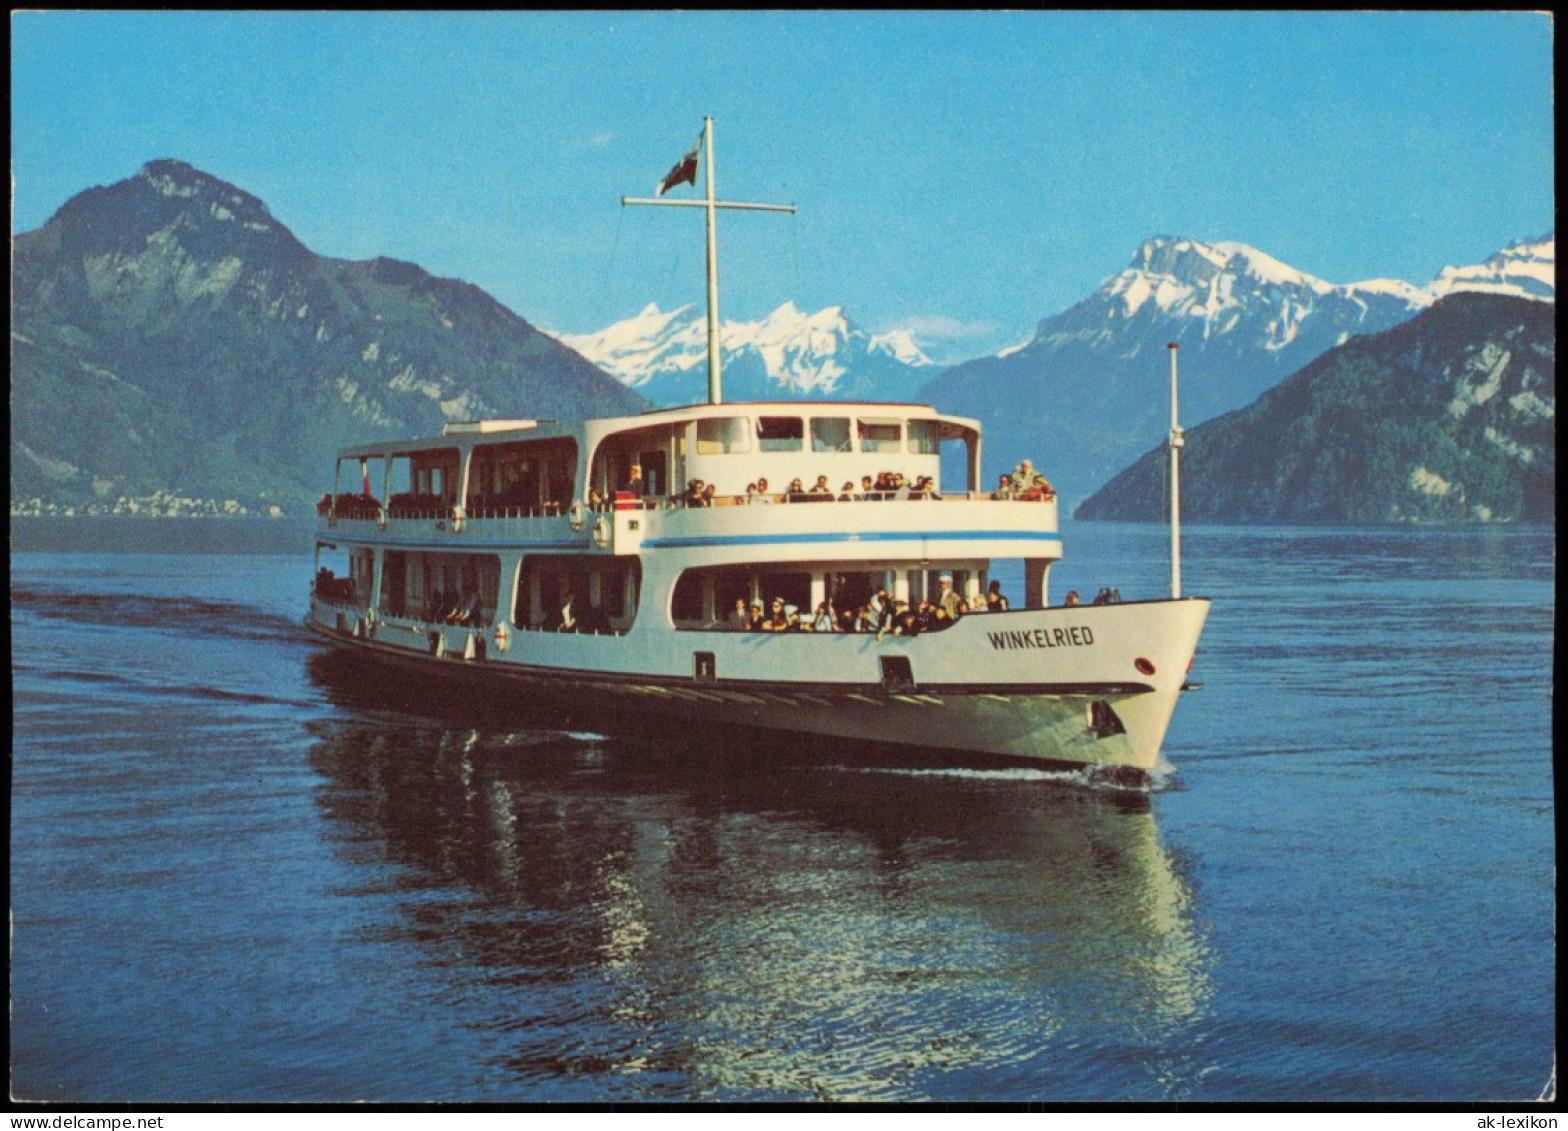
545,483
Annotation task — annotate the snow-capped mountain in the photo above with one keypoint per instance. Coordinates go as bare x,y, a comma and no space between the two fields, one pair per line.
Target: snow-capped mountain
793,354
1089,392
1527,269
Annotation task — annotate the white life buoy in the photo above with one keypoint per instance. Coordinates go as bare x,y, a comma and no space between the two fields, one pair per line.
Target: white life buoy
601,532
576,515
457,520
503,639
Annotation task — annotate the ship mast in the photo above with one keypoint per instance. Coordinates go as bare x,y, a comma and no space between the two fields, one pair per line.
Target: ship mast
1176,442
711,206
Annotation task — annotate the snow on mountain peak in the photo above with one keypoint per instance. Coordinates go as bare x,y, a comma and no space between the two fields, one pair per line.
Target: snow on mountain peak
798,352
1526,268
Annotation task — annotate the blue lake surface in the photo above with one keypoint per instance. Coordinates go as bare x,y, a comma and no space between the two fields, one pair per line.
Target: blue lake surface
240,872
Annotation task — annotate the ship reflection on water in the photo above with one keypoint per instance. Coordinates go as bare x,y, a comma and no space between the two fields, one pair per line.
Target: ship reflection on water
673,918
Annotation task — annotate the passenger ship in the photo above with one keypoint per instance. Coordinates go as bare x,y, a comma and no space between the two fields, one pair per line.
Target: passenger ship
506,553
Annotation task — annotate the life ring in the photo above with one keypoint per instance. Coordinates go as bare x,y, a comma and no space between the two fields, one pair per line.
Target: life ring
457,519
601,532
577,516
503,639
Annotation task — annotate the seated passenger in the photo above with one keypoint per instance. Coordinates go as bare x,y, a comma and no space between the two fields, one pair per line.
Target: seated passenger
824,620
796,493
707,495
778,619
762,491
820,491
847,494
865,619
1004,487
996,603
563,618
901,488
865,486
1072,598
793,622
756,622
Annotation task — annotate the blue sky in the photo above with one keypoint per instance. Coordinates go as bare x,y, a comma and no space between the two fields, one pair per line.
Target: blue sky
960,174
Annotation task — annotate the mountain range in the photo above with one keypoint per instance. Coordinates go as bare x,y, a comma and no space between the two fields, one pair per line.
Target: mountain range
1090,390
789,354
1448,417
169,334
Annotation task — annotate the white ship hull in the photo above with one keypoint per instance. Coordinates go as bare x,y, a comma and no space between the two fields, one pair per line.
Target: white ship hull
1056,685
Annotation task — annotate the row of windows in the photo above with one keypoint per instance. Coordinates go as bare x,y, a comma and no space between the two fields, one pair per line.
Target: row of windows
728,435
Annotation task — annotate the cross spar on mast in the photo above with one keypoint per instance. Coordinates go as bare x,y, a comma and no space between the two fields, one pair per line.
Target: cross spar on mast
711,206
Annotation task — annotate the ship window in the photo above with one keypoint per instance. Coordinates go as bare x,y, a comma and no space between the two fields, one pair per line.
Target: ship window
879,435
604,593
780,433
830,434
723,435
925,438
897,673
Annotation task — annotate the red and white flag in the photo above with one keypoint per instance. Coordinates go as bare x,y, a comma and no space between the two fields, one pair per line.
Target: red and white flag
684,173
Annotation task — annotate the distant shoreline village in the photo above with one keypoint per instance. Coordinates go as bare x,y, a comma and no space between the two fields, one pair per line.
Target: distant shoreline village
159,504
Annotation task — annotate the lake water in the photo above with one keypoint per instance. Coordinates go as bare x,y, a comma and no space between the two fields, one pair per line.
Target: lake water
240,872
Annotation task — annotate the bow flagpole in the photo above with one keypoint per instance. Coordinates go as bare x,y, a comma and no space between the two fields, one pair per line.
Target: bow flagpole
685,172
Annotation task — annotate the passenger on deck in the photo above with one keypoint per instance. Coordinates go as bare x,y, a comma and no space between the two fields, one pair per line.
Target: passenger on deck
793,622
901,489
824,621
947,597
777,620
762,491
564,619
635,485
865,619
820,491
847,495
740,619
751,492
595,500
1004,487
885,610
865,486
996,603
757,622
925,488
1023,474
707,495
1072,598
796,492
693,496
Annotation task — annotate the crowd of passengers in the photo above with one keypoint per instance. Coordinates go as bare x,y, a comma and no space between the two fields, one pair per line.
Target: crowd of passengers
883,615
1023,483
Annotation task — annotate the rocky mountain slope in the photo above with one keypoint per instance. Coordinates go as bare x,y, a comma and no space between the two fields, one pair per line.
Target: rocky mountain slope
1449,417
789,354
169,334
